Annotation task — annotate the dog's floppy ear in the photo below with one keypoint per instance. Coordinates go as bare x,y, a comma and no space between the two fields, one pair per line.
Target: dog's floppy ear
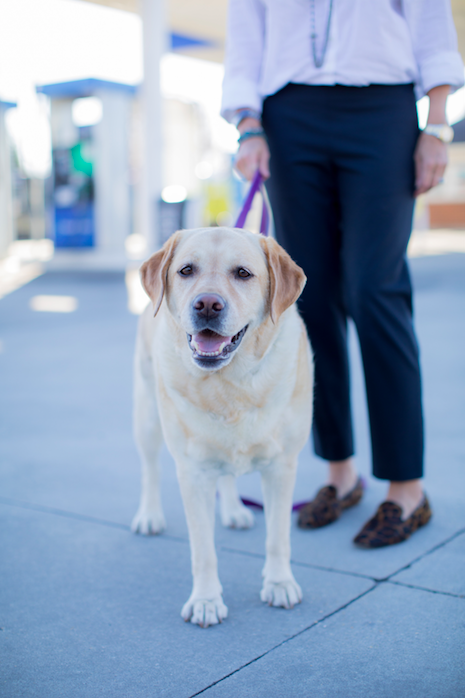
287,280
154,272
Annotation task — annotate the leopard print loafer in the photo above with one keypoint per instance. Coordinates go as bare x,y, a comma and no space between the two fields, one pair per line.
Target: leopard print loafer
326,507
387,528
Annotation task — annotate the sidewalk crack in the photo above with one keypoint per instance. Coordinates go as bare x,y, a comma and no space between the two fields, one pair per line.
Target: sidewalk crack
302,564
423,555
288,639
78,517
431,591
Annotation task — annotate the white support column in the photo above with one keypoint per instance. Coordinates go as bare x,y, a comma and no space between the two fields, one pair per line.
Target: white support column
112,207
155,45
6,210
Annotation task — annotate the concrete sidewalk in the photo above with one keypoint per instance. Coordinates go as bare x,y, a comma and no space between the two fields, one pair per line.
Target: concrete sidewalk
88,609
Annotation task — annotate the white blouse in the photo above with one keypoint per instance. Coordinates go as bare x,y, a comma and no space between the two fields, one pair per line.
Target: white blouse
370,42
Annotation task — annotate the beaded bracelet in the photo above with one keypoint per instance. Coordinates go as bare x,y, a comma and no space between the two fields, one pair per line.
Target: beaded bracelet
256,133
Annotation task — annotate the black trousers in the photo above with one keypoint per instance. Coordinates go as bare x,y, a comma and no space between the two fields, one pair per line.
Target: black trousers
341,189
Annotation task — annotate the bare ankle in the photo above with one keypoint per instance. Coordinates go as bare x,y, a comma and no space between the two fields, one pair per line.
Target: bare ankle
407,495
342,475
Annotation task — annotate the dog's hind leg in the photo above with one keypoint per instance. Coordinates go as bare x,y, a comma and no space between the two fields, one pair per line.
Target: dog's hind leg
149,518
233,513
279,585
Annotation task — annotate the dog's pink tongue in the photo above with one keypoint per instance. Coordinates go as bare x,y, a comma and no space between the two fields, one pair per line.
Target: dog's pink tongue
210,343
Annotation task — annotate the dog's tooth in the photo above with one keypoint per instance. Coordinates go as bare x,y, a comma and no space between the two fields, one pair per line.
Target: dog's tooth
208,353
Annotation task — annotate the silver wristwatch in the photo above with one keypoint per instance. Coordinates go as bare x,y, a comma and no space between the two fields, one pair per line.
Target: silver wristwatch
444,132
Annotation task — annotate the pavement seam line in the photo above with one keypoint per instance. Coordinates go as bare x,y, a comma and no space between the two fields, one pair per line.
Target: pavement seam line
377,583
79,517
431,591
423,555
167,536
302,564
60,512
287,639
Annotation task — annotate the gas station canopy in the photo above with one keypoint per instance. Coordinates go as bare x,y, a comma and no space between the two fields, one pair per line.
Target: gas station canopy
197,26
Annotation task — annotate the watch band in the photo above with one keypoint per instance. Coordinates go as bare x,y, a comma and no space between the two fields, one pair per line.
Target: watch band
443,132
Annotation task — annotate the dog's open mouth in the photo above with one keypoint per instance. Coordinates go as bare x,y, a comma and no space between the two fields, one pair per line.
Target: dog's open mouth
208,345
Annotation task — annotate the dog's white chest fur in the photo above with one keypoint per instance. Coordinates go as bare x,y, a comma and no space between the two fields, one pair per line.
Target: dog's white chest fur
236,420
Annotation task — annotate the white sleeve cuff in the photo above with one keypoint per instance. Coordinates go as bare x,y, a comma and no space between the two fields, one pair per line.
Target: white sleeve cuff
239,92
445,68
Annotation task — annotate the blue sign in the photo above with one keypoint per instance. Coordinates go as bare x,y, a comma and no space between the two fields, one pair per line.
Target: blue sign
74,226
73,194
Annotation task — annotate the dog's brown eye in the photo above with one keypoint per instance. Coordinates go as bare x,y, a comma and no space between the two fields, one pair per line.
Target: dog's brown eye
243,273
186,271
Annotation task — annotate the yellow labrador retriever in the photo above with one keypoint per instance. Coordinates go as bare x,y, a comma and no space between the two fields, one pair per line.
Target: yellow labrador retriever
224,374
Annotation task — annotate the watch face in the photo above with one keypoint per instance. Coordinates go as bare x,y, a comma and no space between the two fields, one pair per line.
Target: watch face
447,134
442,131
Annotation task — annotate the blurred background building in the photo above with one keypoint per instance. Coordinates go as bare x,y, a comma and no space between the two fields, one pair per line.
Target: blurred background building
110,135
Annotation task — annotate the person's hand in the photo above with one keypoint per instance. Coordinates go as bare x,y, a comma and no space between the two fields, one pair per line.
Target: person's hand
430,162
253,155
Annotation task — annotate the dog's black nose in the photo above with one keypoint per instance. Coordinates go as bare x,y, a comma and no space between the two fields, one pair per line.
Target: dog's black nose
208,305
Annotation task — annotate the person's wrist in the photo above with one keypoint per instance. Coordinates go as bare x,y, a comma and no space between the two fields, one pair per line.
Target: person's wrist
244,113
436,118
249,124
437,112
250,134
437,104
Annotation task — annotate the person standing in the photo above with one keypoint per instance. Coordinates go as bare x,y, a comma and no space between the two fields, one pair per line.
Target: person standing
323,95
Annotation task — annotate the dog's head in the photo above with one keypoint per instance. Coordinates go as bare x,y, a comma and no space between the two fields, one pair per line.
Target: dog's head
219,284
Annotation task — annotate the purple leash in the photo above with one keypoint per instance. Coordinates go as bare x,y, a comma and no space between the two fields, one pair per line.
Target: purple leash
259,505
257,185
295,507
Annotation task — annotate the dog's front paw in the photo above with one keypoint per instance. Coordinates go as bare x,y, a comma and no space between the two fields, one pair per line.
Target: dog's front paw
205,612
149,522
282,594
236,517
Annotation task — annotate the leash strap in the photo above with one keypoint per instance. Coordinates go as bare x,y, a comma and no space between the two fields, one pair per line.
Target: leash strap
258,505
295,507
257,185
